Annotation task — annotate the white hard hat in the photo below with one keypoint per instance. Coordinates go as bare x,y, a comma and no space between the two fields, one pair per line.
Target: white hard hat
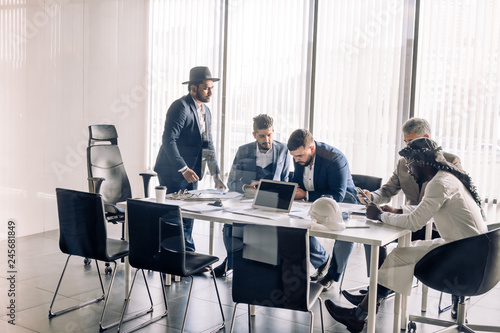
326,212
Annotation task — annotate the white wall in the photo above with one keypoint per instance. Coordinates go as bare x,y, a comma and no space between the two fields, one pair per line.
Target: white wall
66,64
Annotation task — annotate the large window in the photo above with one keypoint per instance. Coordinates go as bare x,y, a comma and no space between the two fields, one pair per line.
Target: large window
457,90
269,60
343,69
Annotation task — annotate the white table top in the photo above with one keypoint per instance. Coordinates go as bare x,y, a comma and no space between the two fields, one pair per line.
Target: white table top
363,230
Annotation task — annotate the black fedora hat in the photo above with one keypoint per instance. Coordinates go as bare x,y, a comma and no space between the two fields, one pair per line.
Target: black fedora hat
200,73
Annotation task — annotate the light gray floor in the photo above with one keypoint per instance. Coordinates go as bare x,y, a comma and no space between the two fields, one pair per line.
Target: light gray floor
39,264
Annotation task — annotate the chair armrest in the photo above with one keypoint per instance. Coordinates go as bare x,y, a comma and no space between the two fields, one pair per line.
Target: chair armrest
146,177
95,184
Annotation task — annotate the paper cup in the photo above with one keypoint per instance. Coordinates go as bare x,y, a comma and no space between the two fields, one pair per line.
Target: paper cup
161,191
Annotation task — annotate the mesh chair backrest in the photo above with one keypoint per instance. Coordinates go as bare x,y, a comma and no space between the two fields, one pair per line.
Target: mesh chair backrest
156,237
466,267
369,183
104,160
82,225
285,285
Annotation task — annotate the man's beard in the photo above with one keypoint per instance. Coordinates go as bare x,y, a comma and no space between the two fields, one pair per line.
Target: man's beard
264,148
417,178
205,99
306,163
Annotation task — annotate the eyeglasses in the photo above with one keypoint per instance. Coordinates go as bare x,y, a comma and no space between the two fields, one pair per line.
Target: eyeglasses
408,165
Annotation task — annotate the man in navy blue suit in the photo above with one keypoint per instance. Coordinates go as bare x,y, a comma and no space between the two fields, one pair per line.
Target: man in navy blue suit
264,158
322,170
187,144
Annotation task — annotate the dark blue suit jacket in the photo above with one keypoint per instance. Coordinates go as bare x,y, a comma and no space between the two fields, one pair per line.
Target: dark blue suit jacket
182,144
244,169
331,175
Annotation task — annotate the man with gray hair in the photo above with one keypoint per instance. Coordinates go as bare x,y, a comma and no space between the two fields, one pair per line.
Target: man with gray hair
400,180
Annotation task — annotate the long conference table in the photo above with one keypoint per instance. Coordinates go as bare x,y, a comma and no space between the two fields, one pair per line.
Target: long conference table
359,230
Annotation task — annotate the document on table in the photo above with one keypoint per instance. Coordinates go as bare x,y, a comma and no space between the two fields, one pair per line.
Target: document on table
214,194
202,208
353,208
255,212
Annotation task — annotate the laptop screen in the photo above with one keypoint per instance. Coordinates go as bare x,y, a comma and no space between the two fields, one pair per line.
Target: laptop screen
274,195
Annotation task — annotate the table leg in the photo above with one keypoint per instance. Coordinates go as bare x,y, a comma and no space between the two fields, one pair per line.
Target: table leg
126,271
425,289
372,300
397,313
211,239
168,279
398,300
404,298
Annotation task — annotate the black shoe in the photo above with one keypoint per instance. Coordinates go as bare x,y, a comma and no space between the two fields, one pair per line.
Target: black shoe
222,269
454,306
321,271
327,283
345,316
353,299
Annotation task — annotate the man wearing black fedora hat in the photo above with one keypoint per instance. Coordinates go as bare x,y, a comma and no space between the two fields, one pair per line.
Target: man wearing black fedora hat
187,144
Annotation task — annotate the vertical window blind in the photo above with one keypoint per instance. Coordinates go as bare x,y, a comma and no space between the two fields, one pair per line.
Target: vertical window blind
182,34
267,68
357,81
457,85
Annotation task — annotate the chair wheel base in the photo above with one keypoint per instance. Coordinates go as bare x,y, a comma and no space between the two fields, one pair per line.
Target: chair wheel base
412,326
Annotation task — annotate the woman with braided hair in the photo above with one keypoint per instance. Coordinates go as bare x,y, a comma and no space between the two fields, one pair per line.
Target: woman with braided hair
450,199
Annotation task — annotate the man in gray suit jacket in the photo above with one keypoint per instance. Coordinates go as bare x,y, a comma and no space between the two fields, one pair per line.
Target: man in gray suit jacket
401,180
187,142
262,159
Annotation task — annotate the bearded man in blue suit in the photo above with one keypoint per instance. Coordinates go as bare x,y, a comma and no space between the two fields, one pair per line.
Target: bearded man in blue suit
264,158
322,170
187,144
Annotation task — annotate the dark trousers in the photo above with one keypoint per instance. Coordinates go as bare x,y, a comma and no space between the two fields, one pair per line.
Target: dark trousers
173,186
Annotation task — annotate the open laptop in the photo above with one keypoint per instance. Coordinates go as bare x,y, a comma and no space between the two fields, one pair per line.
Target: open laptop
273,200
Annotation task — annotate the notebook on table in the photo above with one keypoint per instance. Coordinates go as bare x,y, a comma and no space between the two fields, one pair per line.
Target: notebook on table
273,200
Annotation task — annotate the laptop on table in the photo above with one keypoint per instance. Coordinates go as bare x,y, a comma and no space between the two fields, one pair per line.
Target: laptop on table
273,200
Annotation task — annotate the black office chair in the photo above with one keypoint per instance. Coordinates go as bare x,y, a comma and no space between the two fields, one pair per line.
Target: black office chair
369,183
157,244
448,307
278,278
466,267
366,182
106,172
82,232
